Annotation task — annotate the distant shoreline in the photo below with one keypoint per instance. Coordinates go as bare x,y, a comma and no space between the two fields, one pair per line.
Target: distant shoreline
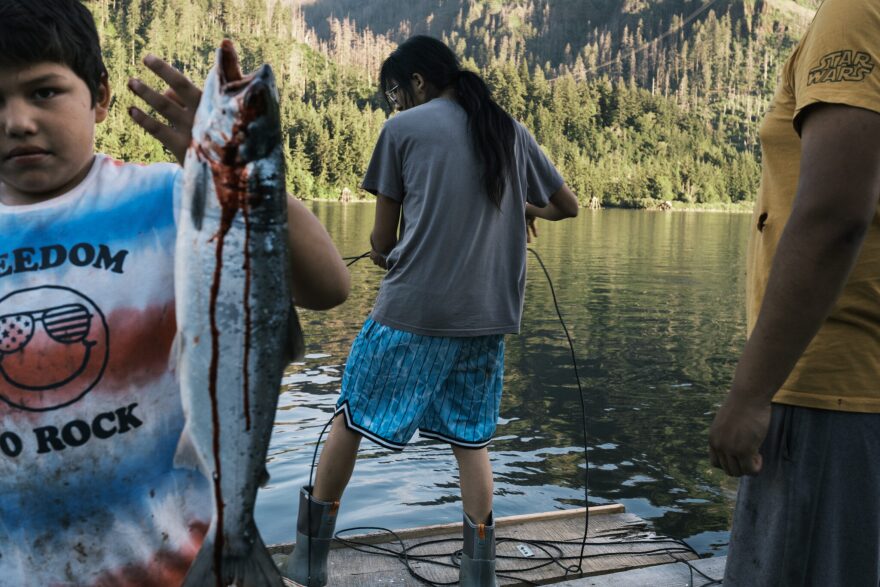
738,208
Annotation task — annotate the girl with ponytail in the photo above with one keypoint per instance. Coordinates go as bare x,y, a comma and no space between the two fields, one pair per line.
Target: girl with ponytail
459,183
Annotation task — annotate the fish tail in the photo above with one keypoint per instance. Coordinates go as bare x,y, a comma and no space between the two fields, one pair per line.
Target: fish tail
202,573
251,566
256,569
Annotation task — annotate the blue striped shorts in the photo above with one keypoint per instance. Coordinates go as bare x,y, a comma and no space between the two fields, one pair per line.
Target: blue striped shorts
449,388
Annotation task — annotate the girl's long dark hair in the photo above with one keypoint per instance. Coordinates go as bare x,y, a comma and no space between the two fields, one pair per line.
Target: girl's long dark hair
491,128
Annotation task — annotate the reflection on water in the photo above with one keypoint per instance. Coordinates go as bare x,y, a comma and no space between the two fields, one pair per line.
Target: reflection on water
654,303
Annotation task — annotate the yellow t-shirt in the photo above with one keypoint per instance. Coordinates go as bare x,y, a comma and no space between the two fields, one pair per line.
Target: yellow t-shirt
837,62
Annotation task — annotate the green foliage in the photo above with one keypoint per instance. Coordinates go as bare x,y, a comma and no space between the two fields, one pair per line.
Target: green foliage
627,121
330,112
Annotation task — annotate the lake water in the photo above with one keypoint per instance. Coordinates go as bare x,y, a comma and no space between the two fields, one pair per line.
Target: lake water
655,304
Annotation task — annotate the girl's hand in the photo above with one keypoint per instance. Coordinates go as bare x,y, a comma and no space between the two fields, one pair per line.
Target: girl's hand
378,259
531,228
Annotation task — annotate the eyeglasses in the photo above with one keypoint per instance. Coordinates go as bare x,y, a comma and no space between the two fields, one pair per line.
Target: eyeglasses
392,95
66,324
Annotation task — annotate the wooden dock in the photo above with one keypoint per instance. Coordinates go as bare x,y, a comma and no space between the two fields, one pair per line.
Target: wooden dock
701,573
531,549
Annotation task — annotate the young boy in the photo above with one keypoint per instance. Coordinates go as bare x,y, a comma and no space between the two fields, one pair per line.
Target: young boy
90,410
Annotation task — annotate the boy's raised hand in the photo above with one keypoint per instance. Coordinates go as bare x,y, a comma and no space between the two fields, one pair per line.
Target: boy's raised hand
177,104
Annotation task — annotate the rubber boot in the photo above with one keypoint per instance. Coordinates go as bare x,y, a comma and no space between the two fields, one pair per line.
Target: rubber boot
478,554
307,564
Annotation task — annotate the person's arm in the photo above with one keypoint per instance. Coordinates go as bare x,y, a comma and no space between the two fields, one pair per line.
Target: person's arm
384,234
837,196
563,204
319,278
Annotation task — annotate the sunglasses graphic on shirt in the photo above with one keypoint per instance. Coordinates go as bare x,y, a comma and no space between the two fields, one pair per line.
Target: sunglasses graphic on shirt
67,324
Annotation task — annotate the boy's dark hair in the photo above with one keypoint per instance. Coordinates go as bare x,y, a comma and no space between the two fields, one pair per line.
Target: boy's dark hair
491,128
58,31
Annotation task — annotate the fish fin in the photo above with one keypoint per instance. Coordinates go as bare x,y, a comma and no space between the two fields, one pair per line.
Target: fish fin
176,350
202,572
246,563
264,477
186,457
296,346
199,198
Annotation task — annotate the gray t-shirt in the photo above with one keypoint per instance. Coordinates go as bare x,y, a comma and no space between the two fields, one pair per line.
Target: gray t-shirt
459,268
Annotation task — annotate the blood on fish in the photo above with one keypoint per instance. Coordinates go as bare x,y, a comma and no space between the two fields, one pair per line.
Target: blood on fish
231,187
247,315
215,416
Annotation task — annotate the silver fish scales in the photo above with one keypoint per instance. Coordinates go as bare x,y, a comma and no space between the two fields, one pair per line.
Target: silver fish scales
235,319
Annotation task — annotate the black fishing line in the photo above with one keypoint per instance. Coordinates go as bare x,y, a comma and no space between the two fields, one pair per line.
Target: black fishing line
317,444
354,260
407,555
552,550
310,490
579,567
556,558
709,580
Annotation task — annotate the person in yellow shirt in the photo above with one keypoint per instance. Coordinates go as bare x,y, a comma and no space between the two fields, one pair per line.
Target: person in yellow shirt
802,419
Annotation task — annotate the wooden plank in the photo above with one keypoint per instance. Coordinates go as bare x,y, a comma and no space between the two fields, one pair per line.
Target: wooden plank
668,575
617,541
424,531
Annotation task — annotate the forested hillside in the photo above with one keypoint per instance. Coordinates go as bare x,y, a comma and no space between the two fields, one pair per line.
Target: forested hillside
636,101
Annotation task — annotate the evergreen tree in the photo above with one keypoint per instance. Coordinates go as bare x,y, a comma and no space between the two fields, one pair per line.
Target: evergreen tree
637,102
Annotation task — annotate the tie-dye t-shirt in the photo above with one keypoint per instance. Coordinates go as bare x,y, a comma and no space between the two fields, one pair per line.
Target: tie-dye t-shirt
90,411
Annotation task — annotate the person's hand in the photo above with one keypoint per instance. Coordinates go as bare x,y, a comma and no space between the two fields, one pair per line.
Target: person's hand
177,104
736,435
531,228
378,259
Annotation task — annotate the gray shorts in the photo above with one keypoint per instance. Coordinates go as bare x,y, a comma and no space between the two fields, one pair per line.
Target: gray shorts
812,517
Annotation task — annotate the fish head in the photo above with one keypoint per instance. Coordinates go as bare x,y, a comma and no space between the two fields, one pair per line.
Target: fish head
236,138
238,114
